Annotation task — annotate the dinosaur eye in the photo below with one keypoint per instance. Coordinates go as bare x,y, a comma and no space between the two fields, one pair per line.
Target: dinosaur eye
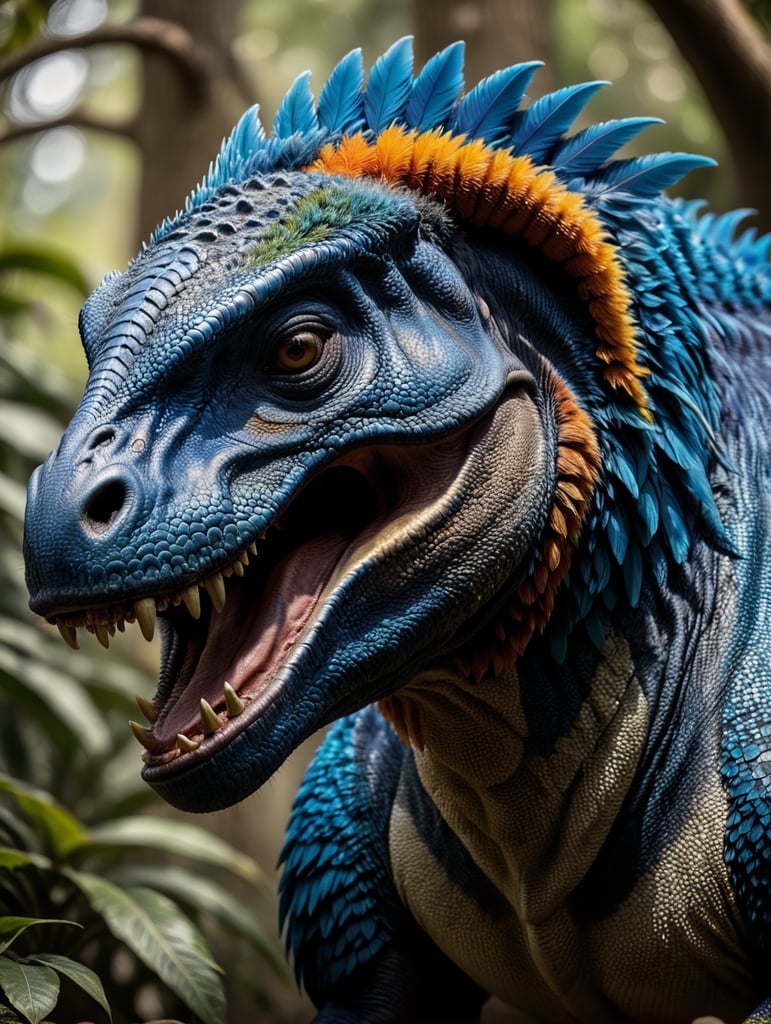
298,352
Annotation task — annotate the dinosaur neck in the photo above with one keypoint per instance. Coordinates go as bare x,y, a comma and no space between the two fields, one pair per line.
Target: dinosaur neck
533,821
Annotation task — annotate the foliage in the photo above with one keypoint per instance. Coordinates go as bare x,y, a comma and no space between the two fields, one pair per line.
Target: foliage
101,908
20,22
761,9
98,904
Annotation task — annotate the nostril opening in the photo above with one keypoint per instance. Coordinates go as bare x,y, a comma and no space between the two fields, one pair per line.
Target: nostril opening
104,436
105,505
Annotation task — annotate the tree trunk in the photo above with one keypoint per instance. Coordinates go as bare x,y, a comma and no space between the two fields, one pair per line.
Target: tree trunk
497,33
732,60
184,117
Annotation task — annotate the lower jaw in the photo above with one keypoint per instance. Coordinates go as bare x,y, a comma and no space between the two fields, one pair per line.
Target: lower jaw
246,651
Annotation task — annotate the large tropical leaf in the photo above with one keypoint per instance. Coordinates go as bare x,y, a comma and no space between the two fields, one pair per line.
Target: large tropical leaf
41,259
10,860
62,695
176,837
83,977
163,938
12,927
33,989
60,831
201,894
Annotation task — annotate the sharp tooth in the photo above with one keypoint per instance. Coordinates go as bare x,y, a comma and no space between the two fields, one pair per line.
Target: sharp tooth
144,609
215,588
233,702
148,709
144,735
121,624
209,718
244,556
192,599
252,548
185,744
238,568
69,634
102,634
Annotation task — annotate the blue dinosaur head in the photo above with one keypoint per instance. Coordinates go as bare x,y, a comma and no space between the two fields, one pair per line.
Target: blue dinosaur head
349,413
284,392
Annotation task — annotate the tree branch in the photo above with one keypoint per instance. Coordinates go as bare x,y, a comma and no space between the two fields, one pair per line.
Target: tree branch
732,60
166,37
75,119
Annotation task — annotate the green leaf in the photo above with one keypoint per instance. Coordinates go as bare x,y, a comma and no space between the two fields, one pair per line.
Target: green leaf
62,831
11,860
41,260
12,497
31,432
11,927
59,692
163,938
10,306
175,837
31,988
201,894
83,977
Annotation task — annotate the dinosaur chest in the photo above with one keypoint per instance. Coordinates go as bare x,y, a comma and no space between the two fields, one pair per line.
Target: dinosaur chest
492,847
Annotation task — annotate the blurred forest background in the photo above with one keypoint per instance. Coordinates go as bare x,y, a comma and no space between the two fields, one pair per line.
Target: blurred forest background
111,112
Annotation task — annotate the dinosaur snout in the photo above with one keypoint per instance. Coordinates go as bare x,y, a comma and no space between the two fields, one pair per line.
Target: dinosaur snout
83,508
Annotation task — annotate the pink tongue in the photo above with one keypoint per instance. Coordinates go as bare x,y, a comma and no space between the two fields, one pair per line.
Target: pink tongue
253,637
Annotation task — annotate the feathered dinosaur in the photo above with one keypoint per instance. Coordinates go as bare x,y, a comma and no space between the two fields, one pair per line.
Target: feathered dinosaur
431,418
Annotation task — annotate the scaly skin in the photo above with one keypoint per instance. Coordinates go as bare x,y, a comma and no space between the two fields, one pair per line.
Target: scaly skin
423,404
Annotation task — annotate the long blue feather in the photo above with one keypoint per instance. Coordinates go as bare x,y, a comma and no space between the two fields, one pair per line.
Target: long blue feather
487,111
723,231
589,149
633,574
389,86
341,101
675,527
436,89
537,129
647,175
233,161
297,112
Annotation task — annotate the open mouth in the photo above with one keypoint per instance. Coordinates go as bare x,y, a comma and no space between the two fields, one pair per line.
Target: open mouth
226,638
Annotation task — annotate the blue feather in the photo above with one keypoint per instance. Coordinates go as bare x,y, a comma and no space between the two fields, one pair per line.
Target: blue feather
618,534
233,161
633,574
620,463
754,249
389,86
487,111
596,627
586,151
341,101
723,230
675,527
297,113
548,118
247,137
436,89
647,175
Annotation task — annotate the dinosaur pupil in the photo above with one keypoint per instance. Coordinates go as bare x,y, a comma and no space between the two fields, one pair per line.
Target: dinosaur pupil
299,352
